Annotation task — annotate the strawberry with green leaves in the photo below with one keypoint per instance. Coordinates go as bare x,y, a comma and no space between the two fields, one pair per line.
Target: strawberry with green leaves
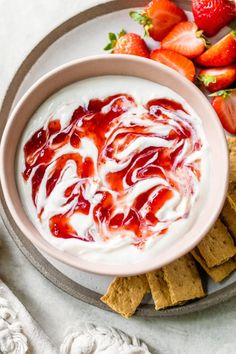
186,39
127,43
175,61
220,54
159,17
212,15
215,79
224,103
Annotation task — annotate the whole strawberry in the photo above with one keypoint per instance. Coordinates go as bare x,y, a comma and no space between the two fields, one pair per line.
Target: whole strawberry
212,15
159,17
127,43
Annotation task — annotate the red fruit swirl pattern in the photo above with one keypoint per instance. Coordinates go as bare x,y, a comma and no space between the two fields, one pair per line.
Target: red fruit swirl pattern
142,163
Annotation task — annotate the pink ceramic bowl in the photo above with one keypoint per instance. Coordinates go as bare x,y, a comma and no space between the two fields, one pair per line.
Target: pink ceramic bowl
120,65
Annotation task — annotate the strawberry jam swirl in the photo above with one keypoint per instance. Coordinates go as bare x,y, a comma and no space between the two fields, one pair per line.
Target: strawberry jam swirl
117,168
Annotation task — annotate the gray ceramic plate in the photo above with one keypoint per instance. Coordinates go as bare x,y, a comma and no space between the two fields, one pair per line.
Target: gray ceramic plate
62,45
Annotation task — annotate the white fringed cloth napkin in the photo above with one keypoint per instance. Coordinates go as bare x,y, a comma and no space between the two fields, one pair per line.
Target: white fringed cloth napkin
20,334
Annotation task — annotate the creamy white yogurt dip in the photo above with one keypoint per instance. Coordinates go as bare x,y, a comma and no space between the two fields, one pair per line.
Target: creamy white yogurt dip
113,168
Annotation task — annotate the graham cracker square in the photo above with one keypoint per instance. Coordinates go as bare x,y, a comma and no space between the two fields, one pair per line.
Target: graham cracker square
159,289
232,158
217,246
125,294
217,273
183,280
228,216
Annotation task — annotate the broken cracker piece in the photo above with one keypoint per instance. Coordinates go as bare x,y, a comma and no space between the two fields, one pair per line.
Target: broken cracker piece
183,280
159,289
228,216
231,195
217,246
125,294
217,273
232,158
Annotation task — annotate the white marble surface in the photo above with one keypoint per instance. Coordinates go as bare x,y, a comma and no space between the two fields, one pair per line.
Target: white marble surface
22,24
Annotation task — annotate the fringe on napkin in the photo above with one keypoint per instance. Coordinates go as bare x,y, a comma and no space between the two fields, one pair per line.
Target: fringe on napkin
89,339
19,333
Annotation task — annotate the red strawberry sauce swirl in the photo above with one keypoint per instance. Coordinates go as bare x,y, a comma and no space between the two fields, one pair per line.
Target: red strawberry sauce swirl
140,166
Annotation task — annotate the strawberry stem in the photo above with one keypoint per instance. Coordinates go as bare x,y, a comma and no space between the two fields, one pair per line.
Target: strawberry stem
234,33
206,41
199,34
122,33
207,79
223,93
112,36
142,19
113,39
